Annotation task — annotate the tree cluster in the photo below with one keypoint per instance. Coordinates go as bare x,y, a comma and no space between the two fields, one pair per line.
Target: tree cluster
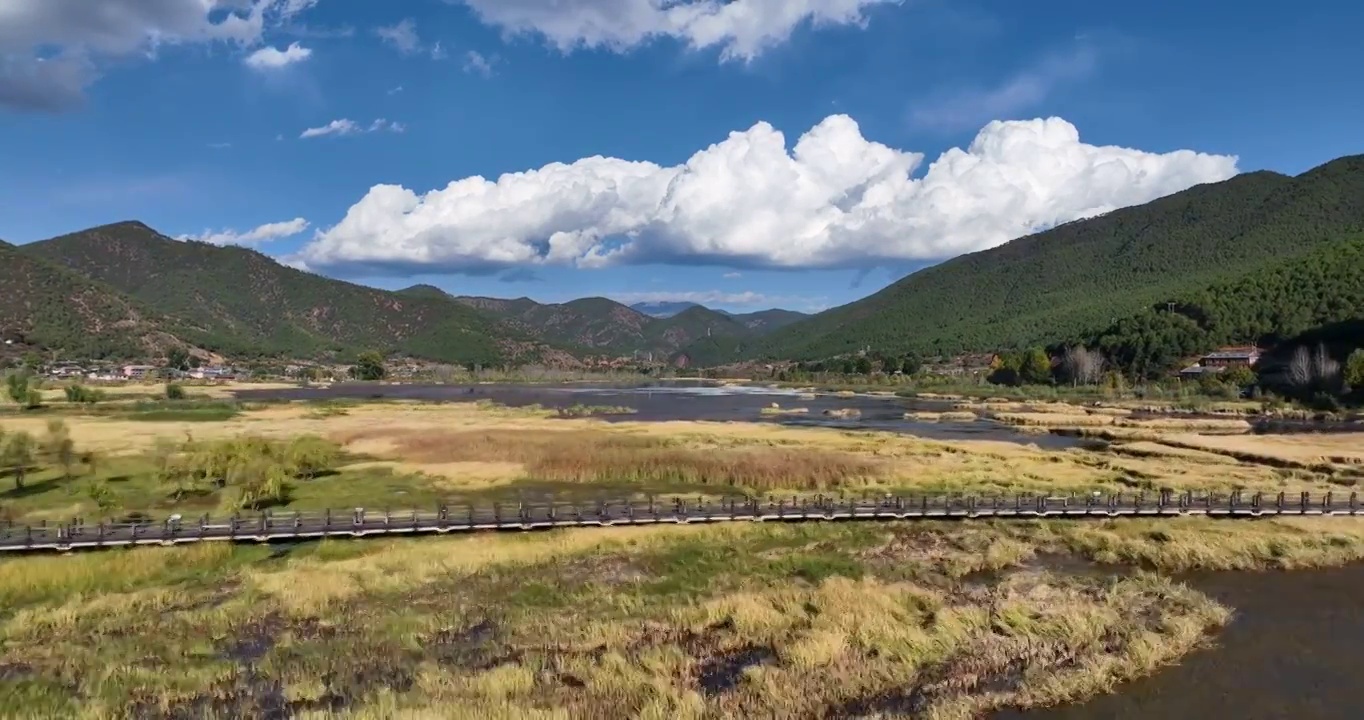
252,472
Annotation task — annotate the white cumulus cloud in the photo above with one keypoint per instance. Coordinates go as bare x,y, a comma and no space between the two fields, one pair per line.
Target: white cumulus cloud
269,58
345,126
835,199
262,234
51,50
741,29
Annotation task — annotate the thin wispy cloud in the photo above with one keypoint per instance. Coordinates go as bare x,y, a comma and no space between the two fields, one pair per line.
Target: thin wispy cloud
720,297
401,35
346,126
269,58
476,63
261,234
1018,95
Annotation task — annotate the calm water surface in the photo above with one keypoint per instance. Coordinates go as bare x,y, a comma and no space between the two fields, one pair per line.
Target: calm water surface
1294,651
691,401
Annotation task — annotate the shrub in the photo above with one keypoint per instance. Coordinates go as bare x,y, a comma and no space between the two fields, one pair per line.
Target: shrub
175,391
16,386
84,395
18,455
59,447
308,456
103,495
1354,370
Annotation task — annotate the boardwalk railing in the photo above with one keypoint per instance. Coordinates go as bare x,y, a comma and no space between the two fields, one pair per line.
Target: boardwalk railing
268,526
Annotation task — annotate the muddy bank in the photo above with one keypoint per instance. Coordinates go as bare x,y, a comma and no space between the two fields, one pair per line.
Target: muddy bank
692,402
1291,652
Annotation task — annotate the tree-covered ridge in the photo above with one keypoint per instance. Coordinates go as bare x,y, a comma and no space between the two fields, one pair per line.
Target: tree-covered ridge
1269,306
46,306
243,303
601,326
766,321
1067,281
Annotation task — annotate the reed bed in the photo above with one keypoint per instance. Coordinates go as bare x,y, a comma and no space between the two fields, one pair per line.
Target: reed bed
587,456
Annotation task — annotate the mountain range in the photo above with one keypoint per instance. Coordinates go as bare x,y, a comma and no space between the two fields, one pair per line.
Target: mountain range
125,290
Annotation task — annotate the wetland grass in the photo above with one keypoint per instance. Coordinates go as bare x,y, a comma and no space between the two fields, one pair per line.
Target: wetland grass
926,619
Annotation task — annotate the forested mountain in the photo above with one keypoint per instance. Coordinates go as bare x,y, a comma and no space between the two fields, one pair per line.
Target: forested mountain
601,326
126,290
44,306
243,303
1082,276
1270,306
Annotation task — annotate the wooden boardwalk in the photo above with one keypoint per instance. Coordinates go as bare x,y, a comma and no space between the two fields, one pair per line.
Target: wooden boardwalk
357,523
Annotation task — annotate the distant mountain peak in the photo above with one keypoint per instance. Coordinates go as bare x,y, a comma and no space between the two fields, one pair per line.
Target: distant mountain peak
424,290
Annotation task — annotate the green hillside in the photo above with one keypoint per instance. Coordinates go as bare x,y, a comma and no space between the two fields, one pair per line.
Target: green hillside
47,307
767,321
1079,277
600,326
1270,306
243,303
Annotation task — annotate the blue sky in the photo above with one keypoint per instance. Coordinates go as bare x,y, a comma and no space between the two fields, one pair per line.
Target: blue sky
201,131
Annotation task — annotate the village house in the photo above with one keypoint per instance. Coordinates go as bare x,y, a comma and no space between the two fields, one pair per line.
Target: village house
1221,359
137,371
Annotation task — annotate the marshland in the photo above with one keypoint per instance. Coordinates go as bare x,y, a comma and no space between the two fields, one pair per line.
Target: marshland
923,619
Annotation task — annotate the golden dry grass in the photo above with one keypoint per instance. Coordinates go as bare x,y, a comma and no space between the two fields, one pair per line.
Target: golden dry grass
598,456
744,620
465,445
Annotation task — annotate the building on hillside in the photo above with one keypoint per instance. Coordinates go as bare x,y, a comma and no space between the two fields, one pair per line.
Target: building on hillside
1219,360
1231,357
137,371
